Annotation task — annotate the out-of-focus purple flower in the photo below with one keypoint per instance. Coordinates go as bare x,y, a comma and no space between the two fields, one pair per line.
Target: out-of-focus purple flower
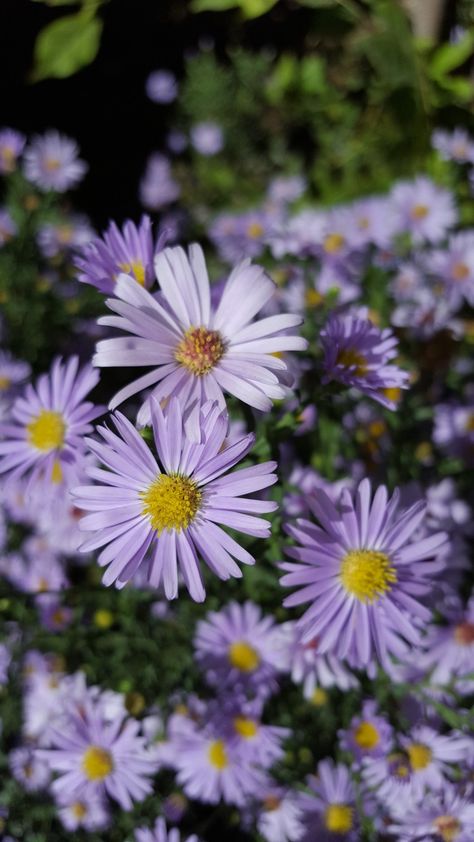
306,480
358,353
279,817
449,649
54,616
207,138
361,574
432,757
130,251
12,372
285,189
51,162
456,146
333,281
242,235
161,86
454,430
29,769
454,268
8,228
374,222
160,833
425,314
368,735
176,141
173,509
64,237
88,812
11,146
329,810
443,816
424,210
5,660
309,667
158,187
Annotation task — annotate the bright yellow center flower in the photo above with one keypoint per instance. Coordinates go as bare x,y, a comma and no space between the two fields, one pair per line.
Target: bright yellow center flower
47,430
367,574
255,230
350,358
97,763
366,736
200,350
217,755
135,268
246,728
171,502
319,697
243,656
420,756
52,164
338,818
78,810
419,211
333,243
447,827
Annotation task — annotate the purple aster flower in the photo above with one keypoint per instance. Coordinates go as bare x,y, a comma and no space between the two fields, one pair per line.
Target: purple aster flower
454,267
160,833
301,235
444,817
362,574
454,430
431,756
89,812
8,228
198,351
374,221
333,281
424,210
54,616
368,735
390,778
94,756
158,187
29,769
174,510
49,420
285,189
358,354
279,818
310,668
11,146
456,146
207,138
425,314
64,237
162,86
450,649
176,141
242,235
131,251
238,647
329,811
51,162
12,371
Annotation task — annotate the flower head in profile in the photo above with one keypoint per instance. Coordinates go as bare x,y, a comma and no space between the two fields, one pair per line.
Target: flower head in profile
329,811
358,354
51,162
362,574
44,438
11,146
197,352
173,506
130,250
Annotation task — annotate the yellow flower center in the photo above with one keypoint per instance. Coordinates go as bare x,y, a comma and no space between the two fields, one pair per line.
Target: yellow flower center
366,736
52,164
464,634
270,803
419,212
420,756
78,810
392,393
135,268
200,350
243,656
171,502
313,298
5,383
367,574
350,358
246,728
460,271
333,243
398,764
319,697
217,755
97,763
255,230
47,431
338,818
447,827
8,158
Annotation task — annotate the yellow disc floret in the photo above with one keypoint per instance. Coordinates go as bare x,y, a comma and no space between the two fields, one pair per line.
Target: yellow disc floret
419,212
333,243
78,810
135,268
200,350
243,656
338,818
171,502
366,736
350,358
246,728
47,431
420,756
97,763
217,755
447,827
367,574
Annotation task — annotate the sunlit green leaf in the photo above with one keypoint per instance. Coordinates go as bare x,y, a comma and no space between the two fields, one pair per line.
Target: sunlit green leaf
66,45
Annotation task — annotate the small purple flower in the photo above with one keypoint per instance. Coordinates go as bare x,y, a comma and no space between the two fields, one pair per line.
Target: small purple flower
368,735
173,508
207,138
158,187
160,833
51,162
88,812
361,574
454,430
450,649
424,210
432,757
329,812
29,769
279,818
8,228
12,372
130,251
443,817
162,86
11,146
456,146
453,266
64,237
285,189
358,354
242,235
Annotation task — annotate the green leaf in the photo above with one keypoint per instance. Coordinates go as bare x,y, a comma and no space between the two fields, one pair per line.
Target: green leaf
66,45
450,56
213,5
256,8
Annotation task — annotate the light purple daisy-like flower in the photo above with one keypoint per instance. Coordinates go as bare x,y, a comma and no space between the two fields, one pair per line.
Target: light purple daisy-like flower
51,162
390,778
450,649
454,267
174,510
12,371
444,817
240,722
162,86
456,146
11,146
285,189
69,235
368,735
96,756
362,574
358,354
160,833
89,812
197,351
8,228
158,187
29,769
207,138
424,210
431,756
329,811
240,647
49,420
130,250
454,429
279,818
